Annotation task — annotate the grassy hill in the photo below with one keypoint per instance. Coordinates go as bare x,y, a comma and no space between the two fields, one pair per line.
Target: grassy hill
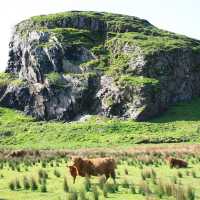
181,123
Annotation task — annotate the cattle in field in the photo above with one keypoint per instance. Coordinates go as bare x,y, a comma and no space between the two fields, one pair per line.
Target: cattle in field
178,163
93,167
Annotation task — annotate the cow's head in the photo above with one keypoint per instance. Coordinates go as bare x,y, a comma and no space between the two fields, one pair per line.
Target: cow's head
78,162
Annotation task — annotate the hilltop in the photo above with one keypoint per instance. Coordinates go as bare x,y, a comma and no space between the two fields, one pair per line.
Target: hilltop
62,66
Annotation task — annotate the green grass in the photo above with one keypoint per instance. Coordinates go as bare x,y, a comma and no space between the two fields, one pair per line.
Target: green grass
115,22
54,78
6,79
54,184
181,123
157,40
75,37
138,80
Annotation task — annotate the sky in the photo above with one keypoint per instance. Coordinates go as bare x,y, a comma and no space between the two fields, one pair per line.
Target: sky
180,16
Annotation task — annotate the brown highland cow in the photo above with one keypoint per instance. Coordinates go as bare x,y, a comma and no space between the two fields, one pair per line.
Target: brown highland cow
93,167
178,163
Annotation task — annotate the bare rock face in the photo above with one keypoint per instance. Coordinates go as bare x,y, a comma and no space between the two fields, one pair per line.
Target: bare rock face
65,65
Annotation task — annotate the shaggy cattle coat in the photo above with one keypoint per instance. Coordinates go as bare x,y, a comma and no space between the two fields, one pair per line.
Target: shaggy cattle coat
93,167
178,163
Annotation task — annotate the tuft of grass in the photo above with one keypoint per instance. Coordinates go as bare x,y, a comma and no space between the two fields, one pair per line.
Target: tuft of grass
132,188
193,174
144,189
17,184
57,173
42,174
65,185
126,171
125,183
12,185
110,188
34,185
180,194
82,195
105,191
26,183
43,188
87,184
179,174
95,193
73,195
190,193
102,181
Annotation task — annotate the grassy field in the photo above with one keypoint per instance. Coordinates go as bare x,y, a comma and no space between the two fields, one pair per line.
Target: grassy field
139,176
179,124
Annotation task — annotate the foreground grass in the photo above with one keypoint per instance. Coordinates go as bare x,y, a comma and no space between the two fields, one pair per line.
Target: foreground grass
181,123
133,172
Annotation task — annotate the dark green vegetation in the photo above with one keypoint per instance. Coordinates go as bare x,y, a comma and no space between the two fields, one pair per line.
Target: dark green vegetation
7,78
139,176
179,124
115,30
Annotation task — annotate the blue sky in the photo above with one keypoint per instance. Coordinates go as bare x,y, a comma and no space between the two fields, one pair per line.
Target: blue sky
180,16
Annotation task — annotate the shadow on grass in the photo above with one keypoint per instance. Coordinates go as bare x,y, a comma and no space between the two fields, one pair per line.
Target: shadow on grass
185,111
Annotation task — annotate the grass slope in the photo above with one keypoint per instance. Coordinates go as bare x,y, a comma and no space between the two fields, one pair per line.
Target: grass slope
179,124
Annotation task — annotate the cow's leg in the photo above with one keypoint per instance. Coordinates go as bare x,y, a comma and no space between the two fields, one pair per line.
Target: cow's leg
107,175
74,179
113,175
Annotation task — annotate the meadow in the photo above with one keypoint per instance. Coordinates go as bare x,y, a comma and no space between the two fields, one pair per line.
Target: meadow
179,124
142,173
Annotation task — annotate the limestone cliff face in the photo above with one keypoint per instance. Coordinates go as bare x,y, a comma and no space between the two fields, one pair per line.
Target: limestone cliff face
68,64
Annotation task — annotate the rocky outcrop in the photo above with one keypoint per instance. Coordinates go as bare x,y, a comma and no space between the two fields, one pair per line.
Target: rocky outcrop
76,63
